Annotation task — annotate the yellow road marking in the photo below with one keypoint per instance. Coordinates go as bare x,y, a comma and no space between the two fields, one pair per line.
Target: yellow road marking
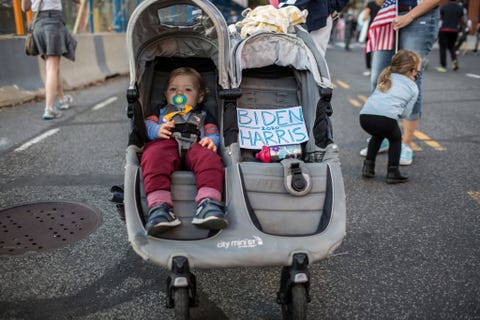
355,103
362,97
343,84
475,195
432,143
415,147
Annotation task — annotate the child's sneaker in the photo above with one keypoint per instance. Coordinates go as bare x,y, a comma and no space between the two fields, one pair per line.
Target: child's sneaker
65,104
51,114
210,215
160,219
383,148
406,155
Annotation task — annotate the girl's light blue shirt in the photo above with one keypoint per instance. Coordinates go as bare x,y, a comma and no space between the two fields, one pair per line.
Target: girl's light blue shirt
397,102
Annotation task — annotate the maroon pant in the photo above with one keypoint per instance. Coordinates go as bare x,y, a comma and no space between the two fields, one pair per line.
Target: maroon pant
160,159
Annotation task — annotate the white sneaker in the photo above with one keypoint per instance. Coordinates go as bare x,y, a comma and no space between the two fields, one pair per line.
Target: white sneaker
65,104
406,155
383,148
51,114
366,73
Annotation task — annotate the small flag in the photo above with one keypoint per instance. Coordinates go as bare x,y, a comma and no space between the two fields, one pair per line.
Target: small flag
381,35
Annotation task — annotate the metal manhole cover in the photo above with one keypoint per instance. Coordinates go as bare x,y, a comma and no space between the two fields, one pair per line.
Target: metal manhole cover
43,226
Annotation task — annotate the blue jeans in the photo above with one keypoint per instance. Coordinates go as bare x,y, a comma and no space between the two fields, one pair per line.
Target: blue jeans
419,36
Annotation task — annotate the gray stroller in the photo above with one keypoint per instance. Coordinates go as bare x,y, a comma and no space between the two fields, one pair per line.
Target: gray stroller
290,213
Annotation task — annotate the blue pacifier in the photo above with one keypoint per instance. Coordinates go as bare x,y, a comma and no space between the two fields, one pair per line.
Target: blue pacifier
179,100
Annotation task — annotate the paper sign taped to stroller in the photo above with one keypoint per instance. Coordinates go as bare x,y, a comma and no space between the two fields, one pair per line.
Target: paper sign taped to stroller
270,127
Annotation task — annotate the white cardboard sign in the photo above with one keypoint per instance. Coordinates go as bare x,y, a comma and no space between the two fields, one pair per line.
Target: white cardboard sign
270,127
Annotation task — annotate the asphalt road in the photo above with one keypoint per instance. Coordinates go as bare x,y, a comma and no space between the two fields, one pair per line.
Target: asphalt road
412,251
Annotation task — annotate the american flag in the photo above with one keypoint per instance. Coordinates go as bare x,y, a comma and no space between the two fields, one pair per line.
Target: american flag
381,35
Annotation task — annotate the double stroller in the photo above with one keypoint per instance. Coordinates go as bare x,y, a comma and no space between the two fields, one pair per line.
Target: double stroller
290,213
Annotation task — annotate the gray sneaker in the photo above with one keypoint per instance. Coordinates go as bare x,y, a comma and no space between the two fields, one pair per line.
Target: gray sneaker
210,215
65,104
160,219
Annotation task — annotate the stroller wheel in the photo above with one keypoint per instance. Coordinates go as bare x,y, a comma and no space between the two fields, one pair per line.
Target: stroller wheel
182,304
296,309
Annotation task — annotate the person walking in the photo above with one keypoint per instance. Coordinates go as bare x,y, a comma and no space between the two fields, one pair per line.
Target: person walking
417,27
451,16
369,13
53,41
349,18
393,99
319,19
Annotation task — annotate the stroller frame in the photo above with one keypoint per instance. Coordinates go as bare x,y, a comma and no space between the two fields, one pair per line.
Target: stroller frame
316,221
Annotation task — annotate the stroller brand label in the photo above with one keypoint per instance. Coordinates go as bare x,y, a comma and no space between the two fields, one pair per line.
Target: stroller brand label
253,242
270,127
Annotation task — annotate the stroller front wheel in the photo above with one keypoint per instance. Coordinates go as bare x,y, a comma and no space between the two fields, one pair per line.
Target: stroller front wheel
296,309
182,303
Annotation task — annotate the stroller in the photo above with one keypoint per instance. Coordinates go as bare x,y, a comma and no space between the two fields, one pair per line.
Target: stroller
290,213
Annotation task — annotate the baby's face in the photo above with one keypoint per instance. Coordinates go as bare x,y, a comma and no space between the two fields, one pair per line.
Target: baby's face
184,84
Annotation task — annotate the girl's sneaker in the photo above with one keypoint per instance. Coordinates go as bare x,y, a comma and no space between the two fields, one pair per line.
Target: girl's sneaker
383,148
51,114
65,104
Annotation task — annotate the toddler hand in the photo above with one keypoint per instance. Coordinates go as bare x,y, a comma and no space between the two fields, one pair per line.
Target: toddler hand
165,130
208,143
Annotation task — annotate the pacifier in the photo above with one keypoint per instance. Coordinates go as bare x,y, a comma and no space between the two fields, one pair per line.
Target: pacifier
179,99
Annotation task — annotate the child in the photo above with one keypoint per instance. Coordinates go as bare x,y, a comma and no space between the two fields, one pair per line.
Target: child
392,99
183,135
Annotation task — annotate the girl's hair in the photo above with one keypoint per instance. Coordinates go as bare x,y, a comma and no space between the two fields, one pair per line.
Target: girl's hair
403,62
186,71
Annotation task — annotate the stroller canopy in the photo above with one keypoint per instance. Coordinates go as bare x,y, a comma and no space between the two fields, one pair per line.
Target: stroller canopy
181,28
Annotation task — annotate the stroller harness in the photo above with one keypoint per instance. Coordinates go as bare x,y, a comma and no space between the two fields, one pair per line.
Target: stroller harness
187,130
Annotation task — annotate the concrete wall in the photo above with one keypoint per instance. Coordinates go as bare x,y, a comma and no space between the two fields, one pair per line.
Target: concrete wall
98,57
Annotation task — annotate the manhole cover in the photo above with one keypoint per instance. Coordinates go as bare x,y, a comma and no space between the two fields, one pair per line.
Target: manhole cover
43,226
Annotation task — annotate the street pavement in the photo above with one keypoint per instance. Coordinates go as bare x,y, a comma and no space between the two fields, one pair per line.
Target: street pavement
412,251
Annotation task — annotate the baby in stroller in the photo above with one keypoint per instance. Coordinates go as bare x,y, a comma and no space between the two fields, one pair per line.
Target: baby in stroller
182,132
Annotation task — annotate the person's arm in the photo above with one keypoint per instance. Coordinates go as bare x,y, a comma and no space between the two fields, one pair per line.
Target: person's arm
26,5
404,20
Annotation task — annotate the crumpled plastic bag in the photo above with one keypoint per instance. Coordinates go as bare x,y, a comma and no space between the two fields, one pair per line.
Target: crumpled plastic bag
268,18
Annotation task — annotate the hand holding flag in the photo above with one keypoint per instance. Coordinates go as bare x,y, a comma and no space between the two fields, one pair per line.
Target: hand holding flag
381,33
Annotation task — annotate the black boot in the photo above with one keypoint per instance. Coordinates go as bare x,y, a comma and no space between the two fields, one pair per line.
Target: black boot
394,175
368,170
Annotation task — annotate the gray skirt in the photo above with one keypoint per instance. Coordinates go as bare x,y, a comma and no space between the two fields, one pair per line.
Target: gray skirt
51,37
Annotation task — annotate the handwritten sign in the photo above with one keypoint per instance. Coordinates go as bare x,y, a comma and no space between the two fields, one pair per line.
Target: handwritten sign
270,127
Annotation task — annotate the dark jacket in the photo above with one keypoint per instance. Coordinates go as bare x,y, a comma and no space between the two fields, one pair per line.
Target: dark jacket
318,10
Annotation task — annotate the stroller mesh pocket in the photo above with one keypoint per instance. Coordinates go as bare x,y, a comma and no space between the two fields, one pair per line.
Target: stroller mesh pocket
277,212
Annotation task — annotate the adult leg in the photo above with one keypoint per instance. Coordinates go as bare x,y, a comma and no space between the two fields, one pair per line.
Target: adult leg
380,60
443,44
322,36
60,93
52,65
419,36
452,38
